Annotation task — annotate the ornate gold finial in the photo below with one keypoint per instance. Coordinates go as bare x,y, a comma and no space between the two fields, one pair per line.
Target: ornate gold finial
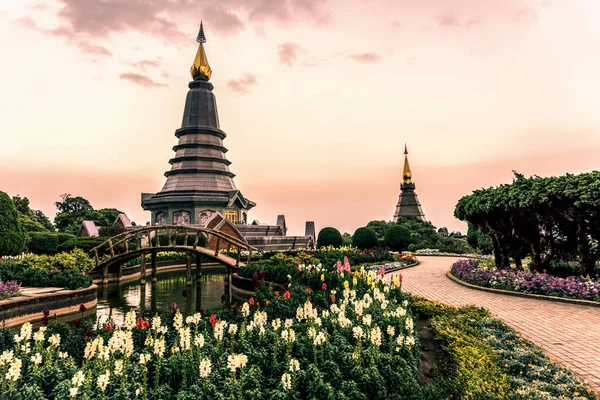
200,69
406,175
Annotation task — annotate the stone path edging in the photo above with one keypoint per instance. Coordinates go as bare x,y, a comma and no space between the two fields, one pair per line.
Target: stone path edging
522,294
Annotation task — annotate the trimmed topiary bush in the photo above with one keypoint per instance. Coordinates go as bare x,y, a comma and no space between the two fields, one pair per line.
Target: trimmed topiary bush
364,238
329,237
397,238
42,242
12,237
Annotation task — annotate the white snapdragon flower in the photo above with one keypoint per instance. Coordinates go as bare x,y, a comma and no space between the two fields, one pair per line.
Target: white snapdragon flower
118,370
367,319
159,347
102,381
288,335
185,338
6,357
144,358
156,323
409,325
73,392
78,379
288,323
286,381
391,331
39,336
276,323
233,328
236,361
63,355
294,365
14,371
357,332
54,340
375,336
178,320
193,319
199,340
205,368
246,309
130,320
311,332
410,341
319,339
36,359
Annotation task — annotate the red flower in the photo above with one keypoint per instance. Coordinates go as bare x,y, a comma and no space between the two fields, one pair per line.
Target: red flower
255,280
307,290
261,275
202,311
251,301
46,312
109,328
276,294
213,320
141,324
45,320
88,334
223,297
332,297
400,277
184,292
287,295
77,322
323,286
268,303
82,308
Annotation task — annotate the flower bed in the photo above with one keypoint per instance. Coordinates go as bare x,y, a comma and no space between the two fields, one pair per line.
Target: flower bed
9,289
68,270
487,359
436,252
520,281
332,334
160,256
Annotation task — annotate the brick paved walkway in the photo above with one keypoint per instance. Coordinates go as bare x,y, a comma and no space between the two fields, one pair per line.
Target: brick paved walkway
568,333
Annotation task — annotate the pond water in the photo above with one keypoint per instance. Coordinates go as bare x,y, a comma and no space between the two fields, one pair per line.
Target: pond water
116,299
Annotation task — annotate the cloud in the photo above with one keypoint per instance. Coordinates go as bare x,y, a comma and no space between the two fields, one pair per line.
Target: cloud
145,64
525,15
224,22
448,20
366,58
288,53
82,44
140,80
288,11
243,84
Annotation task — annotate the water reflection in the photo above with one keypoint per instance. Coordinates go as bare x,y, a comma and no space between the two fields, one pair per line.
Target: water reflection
116,299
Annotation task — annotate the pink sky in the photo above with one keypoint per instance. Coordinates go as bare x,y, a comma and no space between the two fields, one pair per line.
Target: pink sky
317,99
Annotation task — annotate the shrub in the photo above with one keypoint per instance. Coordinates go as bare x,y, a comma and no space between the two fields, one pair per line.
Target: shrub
42,242
83,243
564,269
329,237
12,237
364,238
111,230
397,238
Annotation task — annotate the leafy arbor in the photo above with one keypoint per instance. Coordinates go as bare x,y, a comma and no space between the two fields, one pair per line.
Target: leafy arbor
554,218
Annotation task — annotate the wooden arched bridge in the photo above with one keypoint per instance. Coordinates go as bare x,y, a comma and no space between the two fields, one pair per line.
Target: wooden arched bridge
214,245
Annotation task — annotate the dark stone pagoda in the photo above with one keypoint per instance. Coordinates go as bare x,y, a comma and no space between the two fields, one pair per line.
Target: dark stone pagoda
408,202
199,182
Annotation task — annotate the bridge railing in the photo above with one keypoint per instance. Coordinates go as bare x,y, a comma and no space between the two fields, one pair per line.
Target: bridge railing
149,237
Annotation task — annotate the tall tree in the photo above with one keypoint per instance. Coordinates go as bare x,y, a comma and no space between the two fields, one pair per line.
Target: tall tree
12,237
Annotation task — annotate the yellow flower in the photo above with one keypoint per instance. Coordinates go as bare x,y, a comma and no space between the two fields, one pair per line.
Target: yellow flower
346,285
322,277
354,281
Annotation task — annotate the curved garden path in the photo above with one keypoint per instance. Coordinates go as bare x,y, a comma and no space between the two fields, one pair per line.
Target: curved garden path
568,333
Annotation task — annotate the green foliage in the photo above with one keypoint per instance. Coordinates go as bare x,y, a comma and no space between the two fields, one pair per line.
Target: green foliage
12,236
72,211
111,230
555,218
179,239
380,227
478,240
364,238
32,220
346,239
69,270
397,238
329,237
42,242
83,243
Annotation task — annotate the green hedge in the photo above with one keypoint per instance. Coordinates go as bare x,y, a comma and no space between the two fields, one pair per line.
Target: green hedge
364,238
83,243
329,237
12,238
46,242
180,240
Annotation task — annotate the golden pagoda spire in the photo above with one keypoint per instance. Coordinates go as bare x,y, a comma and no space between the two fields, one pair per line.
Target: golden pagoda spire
406,174
200,69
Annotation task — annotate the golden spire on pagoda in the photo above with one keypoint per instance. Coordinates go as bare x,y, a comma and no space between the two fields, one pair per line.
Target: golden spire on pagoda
200,69
406,174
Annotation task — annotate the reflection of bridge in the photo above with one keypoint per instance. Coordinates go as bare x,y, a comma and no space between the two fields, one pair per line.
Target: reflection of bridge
215,245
